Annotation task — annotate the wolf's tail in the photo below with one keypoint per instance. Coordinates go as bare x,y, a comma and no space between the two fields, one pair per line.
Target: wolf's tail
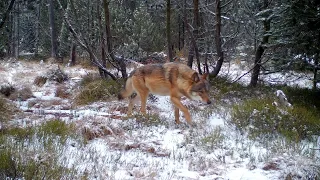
127,91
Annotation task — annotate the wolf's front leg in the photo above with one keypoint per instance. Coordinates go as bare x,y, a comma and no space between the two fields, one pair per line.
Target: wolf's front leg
144,98
176,102
176,115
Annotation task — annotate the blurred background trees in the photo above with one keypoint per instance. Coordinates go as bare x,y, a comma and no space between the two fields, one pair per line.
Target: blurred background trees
268,35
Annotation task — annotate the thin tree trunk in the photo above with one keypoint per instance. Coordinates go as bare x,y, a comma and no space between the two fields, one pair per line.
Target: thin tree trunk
316,66
72,60
257,66
37,30
84,45
206,67
196,32
16,31
120,62
103,49
54,45
218,40
260,50
315,72
10,35
192,44
184,24
6,14
193,50
168,29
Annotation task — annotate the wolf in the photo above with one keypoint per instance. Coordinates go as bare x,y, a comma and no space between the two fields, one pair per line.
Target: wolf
169,79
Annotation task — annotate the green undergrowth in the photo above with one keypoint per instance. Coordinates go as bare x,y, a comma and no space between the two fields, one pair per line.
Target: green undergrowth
260,117
96,90
304,97
224,89
258,112
34,152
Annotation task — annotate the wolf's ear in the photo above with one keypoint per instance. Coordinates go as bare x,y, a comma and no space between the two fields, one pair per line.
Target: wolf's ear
205,76
195,77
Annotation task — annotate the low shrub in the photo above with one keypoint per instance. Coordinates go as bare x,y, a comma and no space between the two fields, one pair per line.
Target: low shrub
97,90
7,90
88,79
6,110
62,92
303,97
263,118
21,94
57,75
40,80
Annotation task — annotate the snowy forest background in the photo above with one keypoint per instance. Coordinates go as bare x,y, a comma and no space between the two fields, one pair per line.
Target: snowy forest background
272,36
62,63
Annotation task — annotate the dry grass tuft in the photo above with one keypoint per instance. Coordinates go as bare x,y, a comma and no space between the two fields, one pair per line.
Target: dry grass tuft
62,92
90,133
97,90
57,75
6,89
7,110
21,94
40,80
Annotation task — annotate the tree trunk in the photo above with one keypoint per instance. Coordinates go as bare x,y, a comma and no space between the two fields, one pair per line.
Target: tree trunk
120,62
6,14
194,35
257,66
217,36
316,66
84,44
72,60
168,29
103,48
315,72
260,50
54,42
10,35
16,36
37,30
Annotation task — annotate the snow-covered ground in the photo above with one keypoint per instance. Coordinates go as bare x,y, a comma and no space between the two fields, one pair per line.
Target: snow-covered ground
129,149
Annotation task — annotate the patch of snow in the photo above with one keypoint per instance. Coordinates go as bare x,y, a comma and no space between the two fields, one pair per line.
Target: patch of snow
188,174
215,120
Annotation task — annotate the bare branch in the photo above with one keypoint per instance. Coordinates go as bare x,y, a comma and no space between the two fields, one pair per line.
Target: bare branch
84,45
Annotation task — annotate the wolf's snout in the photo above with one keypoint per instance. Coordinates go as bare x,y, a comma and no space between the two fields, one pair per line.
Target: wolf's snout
209,102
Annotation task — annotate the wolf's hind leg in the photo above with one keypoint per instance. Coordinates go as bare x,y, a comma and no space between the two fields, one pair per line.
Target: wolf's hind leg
134,98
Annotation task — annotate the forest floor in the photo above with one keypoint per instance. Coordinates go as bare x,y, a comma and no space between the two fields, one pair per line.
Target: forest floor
151,147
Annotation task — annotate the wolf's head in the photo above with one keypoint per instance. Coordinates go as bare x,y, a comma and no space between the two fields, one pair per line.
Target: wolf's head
200,88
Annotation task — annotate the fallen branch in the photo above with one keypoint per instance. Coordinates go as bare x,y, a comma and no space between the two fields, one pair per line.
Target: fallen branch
66,113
